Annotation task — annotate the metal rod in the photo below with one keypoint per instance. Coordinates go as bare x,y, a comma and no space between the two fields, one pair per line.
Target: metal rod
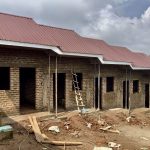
129,94
126,93
49,80
56,87
94,86
98,86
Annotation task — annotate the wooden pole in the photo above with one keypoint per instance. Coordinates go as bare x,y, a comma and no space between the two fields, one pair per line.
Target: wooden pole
49,79
99,86
56,87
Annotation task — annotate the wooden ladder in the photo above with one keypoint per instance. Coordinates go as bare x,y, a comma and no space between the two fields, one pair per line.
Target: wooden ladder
78,96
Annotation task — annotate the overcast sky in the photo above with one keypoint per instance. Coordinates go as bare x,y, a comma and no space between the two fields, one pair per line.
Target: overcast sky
119,22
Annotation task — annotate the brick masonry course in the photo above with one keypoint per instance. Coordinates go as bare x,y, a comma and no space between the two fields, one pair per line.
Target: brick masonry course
16,58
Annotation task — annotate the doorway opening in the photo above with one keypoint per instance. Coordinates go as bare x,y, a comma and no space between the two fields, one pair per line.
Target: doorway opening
96,93
27,90
146,95
126,94
61,90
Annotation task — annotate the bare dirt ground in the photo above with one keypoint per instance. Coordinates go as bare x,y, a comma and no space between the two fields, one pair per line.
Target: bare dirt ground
134,135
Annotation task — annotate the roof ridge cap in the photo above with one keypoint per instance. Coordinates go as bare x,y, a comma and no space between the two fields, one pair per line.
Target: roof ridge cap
56,27
16,15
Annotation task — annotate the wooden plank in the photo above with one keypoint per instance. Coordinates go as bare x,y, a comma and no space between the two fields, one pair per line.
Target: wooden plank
36,132
45,137
36,125
61,143
109,130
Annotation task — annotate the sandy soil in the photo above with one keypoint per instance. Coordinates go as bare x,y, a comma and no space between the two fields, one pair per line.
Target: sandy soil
134,135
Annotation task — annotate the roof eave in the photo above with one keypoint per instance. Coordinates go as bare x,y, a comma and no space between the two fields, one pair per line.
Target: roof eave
31,45
59,52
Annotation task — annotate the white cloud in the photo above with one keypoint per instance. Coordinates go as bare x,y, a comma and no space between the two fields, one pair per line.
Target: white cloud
120,1
61,13
133,33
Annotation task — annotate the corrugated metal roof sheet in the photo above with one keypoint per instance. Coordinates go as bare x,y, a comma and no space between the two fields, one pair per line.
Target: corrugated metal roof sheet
22,29
136,59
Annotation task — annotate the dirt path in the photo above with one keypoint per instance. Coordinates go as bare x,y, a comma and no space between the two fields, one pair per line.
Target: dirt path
137,134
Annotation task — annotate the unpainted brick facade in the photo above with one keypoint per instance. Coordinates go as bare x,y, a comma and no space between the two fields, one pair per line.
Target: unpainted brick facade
44,95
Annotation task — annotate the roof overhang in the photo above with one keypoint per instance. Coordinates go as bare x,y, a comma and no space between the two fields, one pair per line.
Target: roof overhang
101,59
59,52
30,45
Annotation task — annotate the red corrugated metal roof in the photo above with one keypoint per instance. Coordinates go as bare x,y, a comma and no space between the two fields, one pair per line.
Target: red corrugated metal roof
136,59
22,29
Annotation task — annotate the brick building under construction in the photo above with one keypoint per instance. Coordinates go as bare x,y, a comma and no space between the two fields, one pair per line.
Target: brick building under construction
37,62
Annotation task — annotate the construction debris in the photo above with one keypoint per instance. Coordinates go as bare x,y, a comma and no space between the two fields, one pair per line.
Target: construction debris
42,138
102,148
75,129
106,128
114,145
66,124
62,143
114,109
76,134
110,130
101,122
36,129
6,132
89,125
128,119
54,129
144,138
84,110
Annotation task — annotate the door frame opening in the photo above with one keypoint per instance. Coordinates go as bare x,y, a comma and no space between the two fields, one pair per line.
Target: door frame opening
96,93
27,78
147,95
126,93
61,91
